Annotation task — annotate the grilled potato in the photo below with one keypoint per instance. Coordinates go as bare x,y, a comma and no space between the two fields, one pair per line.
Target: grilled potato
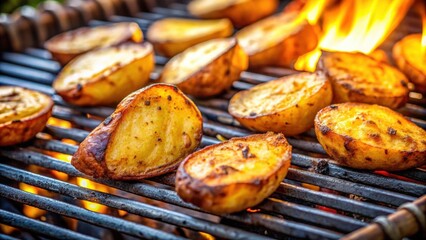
66,46
105,76
370,137
356,77
234,175
277,40
150,133
171,36
286,105
409,58
206,69
240,12
23,113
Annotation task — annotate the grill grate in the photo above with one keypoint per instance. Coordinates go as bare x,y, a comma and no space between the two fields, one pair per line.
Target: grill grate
291,212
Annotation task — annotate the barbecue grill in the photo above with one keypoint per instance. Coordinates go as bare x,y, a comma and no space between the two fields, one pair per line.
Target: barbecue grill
343,203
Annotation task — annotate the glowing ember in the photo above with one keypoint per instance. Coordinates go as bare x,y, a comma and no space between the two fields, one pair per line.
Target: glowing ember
82,182
351,25
31,211
421,8
252,210
59,122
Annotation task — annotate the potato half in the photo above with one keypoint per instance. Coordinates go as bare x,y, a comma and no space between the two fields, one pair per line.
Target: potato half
150,133
206,69
234,175
410,59
370,137
356,77
286,105
23,113
240,12
105,76
277,40
66,46
171,36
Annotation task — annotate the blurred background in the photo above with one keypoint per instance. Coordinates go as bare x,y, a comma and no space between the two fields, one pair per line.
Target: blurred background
8,6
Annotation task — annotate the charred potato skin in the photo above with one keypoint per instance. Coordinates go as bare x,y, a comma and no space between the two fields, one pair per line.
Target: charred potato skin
93,93
22,130
290,121
242,14
417,77
170,48
351,93
132,35
90,156
357,154
234,197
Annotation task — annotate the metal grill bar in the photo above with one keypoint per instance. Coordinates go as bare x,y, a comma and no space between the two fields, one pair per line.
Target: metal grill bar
6,237
39,227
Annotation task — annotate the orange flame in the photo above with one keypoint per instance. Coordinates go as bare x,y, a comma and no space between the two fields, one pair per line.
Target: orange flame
351,25
31,211
421,7
59,122
95,207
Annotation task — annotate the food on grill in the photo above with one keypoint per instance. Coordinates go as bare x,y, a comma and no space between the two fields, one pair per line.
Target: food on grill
411,60
105,76
23,113
171,36
286,105
206,69
277,40
66,46
370,137
150,133
235,174
356,77
240,12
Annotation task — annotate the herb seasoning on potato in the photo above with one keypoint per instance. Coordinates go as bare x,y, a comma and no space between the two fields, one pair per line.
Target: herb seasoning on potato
149,134
370,137
236,174
286,105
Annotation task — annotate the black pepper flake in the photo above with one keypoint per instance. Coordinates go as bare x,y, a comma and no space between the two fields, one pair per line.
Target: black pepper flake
169,98
147,103
158,108
391,131
79,87
252,114
16,121
333,107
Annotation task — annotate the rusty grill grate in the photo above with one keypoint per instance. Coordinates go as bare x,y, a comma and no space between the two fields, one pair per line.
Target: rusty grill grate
293,211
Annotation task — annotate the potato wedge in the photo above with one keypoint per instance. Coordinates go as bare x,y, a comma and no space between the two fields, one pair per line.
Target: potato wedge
234,175
286,105
356,77
150,133
277,40
66,46
240,12
409,58
370,137
206,69
105,76
171,36
23,113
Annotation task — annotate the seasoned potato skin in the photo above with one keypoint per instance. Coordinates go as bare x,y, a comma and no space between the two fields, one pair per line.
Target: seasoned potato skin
22,127
408,58
286,105
370,137
117,149
356,77
130,32
212,78
112,83
297,39
221,178
240,12
171,46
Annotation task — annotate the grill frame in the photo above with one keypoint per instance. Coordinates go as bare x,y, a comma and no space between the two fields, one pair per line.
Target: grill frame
290,211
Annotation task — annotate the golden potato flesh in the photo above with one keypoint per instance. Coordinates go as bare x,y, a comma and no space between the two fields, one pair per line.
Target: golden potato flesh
150,133
277,40
356,77
171,36
66,46
240,12
206,69
23,113
234,175
370,137
286,105
105,76
411,60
